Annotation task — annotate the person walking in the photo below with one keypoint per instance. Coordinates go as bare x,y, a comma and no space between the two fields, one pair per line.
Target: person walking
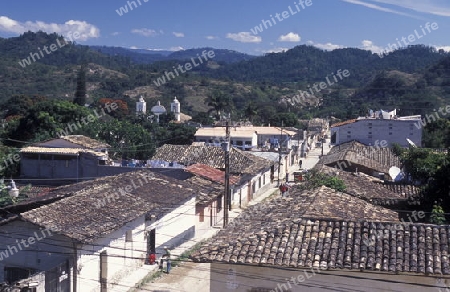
167,256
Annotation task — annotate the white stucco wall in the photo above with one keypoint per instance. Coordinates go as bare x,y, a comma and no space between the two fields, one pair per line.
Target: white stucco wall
368,131
123,257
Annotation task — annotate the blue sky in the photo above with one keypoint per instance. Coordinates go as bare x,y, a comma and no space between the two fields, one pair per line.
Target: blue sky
177,24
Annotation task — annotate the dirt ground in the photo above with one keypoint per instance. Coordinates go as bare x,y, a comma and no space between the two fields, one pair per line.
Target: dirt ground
188,276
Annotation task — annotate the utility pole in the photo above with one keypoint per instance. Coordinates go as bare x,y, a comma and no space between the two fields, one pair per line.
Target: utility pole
279,153
226,148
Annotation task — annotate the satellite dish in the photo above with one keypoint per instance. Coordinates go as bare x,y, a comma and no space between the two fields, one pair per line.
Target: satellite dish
394,171
411,143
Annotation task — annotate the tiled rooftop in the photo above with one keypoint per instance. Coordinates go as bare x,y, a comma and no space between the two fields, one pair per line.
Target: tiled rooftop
366,187
210,173
329,230
85,142
241,162
376,158
79,216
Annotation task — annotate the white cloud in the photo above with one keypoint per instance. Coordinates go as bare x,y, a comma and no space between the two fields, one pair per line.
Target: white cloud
276,50
370,46
146,32
445,48
115,33
327,46
178,34
435,7
211,37
377,7
244,37
176,49
290,37
85,30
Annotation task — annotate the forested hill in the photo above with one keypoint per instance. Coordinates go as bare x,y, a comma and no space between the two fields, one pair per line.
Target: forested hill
415,78
147,57
310,64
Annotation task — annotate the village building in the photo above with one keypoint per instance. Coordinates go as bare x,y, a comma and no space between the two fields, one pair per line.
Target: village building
356,157
256,174
379,126
388,194
322,240
94,233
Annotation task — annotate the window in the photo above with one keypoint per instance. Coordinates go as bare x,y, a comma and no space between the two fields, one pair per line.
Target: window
129,236
390,128
248,142
239,143
390,133
202,215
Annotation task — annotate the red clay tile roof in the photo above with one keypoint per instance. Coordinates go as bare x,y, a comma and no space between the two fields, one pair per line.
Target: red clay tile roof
210,173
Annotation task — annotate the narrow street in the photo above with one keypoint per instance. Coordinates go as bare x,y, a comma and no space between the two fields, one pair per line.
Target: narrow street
196,277
187,277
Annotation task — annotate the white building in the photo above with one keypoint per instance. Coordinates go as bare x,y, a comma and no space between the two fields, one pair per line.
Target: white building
246,138
377,127
101,231
141,106
176,109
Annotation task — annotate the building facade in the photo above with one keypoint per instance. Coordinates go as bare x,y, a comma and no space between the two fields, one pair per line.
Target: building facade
372,131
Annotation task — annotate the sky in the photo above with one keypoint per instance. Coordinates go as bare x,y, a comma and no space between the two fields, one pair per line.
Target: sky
248,26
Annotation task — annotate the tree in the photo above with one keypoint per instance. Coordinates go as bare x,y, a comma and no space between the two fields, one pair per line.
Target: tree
315,179
437,214
251,111
219,101
80,94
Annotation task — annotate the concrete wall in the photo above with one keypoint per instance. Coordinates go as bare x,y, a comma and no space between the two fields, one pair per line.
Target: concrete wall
211,216
123,256
176,227
368,131
244,278
44,251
